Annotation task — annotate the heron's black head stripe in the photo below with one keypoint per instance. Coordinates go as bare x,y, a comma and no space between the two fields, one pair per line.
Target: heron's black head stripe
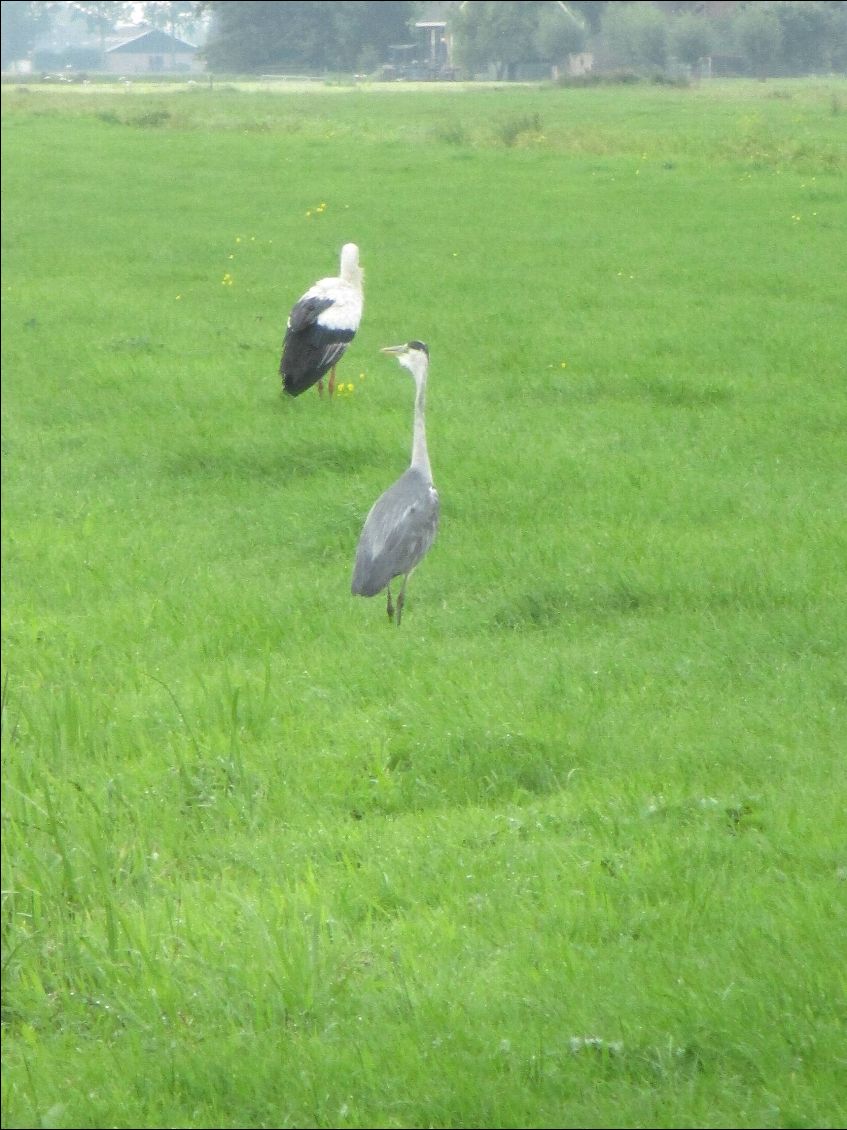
419,345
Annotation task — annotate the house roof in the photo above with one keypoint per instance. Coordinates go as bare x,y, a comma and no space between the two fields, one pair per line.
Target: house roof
152,42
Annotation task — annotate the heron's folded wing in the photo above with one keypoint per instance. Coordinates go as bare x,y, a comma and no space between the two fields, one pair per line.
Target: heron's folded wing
397,535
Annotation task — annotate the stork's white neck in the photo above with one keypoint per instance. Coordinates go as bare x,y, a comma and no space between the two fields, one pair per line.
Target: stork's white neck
350,271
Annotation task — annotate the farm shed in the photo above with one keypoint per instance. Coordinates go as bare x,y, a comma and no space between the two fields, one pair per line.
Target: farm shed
152,52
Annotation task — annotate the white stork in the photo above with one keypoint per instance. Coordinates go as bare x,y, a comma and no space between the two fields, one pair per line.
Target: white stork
321,326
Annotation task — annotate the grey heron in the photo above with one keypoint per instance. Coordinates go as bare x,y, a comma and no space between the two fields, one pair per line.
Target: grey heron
402,523
321,325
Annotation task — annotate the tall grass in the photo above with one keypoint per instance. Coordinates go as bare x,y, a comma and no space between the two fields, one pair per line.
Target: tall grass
565,849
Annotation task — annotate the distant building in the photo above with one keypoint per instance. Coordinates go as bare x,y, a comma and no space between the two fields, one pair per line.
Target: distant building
439,44
153,52
435,40
582,63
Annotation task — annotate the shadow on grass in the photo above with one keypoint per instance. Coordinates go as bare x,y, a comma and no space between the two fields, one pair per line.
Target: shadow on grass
549,607
669,392
295,458
544,608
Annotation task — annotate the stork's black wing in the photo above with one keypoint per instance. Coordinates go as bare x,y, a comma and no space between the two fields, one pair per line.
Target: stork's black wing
305,313
310,348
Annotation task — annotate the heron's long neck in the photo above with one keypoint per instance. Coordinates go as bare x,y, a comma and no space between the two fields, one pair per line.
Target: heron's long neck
420,456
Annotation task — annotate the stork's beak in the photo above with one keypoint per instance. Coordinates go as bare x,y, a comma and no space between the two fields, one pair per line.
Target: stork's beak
393,349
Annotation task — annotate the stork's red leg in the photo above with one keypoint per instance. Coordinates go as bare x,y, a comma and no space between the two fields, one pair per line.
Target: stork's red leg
332,381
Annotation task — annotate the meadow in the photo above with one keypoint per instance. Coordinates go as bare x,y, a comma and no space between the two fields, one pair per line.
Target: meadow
567,848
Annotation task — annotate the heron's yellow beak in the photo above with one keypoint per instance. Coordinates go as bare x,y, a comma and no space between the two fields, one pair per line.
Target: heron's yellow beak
392,349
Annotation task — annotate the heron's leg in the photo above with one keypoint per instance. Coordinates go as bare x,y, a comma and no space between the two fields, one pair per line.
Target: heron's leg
321,387
401,598
332,381
389,608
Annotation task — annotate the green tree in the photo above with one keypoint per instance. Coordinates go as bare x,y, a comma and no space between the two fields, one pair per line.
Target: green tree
691,38
501,35
102,15
636,35
365,30
589,11
20,25
558,34
261,36
174,16
838,39
808,29
316,36
759,37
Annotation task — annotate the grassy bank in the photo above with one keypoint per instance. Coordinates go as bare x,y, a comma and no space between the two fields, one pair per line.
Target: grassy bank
565,849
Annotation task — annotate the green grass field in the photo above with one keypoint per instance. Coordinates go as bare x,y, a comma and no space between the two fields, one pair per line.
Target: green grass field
568,848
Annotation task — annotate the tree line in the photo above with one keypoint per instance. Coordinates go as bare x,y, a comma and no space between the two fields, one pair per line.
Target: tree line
489,39
809,36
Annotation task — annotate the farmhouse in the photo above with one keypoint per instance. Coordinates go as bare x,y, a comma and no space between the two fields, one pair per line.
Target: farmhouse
152,52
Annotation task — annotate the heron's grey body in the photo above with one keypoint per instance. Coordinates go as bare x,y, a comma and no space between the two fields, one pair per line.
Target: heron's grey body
398,532
403,522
